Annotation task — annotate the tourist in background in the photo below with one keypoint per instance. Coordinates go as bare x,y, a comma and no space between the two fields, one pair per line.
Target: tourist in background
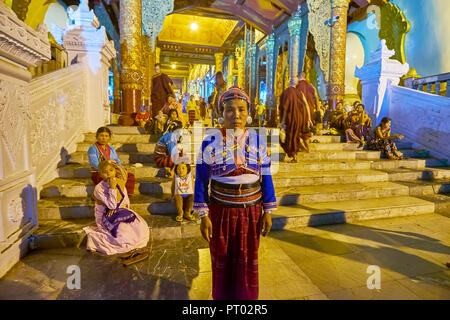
100,151
219,88
202,106
192,110
260,112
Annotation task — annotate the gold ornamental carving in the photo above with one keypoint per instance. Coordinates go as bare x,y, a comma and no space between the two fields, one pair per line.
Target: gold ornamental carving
319,12
130,24
338,47
393,29
240,61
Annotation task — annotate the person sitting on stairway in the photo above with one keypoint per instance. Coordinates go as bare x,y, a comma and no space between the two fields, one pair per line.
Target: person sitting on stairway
167,151
337,117
118,230
382,140
172,116
101,150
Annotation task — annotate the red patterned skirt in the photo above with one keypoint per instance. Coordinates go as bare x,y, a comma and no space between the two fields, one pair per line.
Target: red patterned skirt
234,251
96,179
164,161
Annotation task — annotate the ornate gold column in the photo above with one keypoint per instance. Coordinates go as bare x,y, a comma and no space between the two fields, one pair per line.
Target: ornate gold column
116,84
148,69
230,79
240,57
130,24
336,87
219,61
158,55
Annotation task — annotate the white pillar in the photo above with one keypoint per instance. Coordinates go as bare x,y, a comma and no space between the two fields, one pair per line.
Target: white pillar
86,44
375,76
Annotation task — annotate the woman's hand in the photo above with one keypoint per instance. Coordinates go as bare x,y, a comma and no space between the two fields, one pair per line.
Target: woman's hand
112,182
206,228
266,224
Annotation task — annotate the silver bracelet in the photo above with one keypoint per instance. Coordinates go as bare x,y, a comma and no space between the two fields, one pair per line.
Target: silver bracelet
202,214
268,211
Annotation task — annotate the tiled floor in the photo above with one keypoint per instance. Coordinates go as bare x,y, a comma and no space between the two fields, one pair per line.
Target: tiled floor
329,262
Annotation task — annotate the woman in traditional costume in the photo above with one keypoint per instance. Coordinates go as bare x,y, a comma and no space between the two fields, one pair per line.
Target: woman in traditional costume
235,163
101,150
119,229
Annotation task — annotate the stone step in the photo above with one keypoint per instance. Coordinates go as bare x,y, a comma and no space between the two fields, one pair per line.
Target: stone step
154,185
348,211
149,147
405,174
63,208
441,203
123,138
339,192
74,170
423,188
89,138
52,234
67,233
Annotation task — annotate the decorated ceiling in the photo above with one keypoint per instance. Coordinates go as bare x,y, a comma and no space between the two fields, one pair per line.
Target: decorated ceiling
210,31
261,13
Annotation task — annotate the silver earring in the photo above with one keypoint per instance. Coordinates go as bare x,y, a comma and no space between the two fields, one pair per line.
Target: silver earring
221,121
249,120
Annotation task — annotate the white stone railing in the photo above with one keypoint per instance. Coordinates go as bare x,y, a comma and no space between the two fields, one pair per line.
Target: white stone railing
422,118
58,118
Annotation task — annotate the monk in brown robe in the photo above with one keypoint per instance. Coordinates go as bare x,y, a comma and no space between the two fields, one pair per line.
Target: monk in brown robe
296,120
312,98
161,89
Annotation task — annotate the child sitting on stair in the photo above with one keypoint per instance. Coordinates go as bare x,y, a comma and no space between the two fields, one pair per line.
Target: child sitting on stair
183,192
119,230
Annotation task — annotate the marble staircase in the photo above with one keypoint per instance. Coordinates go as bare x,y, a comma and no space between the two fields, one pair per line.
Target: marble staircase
335,183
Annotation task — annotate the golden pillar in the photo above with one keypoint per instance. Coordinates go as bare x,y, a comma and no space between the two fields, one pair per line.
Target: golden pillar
148,69
240,60
158,55
230,79
336,87
116,84
219,61
130,24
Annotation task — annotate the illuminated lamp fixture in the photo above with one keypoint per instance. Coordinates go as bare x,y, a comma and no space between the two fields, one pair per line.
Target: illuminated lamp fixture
174,66
194,26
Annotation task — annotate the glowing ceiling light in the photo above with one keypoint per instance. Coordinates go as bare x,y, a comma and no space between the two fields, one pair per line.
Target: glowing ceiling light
194,26
174,66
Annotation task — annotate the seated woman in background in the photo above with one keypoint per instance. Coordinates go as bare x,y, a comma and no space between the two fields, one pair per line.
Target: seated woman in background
358,125
382,140
101,150
172,104
172,116
354,133
337,117
119,230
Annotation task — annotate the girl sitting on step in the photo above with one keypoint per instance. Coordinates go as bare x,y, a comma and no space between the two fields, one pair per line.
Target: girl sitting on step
119,230
100,151
183,191
382,140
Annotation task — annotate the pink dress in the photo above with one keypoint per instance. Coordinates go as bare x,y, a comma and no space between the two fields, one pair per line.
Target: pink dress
130,236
